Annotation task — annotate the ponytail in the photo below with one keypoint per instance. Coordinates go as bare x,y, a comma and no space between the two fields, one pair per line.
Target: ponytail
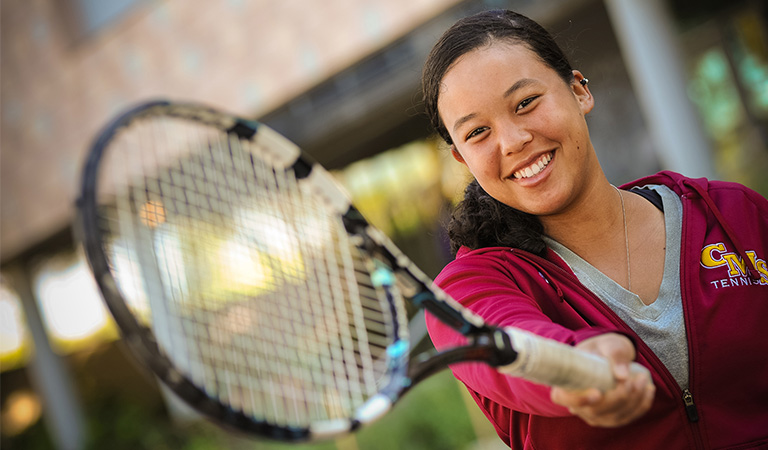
482,221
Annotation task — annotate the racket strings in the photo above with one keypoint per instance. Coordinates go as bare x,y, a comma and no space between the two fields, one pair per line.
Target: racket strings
255,290
341,356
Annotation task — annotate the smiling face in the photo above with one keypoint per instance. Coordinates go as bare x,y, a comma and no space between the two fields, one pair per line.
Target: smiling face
519,128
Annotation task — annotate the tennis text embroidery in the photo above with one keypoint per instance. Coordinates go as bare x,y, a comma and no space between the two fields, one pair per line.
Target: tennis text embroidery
717,256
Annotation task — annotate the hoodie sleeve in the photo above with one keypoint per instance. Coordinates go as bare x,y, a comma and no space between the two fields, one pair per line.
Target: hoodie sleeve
484,283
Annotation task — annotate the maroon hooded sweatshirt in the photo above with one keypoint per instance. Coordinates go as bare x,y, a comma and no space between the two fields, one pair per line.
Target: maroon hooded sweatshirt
724,286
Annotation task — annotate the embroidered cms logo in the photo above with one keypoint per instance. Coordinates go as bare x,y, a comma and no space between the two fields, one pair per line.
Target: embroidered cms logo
716,256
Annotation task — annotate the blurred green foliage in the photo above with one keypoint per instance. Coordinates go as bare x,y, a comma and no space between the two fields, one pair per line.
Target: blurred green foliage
432,416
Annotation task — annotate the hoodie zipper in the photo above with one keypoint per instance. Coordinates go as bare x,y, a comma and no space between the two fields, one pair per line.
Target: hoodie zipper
690,406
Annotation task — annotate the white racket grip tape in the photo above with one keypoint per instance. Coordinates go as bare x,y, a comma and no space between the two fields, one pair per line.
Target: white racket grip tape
553,363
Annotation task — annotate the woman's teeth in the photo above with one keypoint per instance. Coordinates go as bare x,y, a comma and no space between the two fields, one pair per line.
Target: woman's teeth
534,168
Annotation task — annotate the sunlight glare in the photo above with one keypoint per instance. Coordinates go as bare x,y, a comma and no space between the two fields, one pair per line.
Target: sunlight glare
70,303
12,333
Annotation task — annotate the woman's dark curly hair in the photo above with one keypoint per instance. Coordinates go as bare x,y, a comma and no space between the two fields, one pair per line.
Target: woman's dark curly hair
480,220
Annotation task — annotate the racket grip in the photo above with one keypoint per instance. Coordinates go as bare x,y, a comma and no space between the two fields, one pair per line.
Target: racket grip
553,363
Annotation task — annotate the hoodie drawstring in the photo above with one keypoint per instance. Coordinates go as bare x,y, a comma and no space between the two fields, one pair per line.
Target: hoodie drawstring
751,273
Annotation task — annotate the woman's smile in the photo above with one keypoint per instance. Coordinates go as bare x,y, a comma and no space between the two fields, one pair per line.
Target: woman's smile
541,163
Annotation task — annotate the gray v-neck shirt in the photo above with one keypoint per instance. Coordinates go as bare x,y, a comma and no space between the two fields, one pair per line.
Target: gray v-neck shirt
660,324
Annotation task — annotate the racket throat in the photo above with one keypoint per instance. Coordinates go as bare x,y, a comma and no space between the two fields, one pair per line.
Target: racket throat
492,347
504,353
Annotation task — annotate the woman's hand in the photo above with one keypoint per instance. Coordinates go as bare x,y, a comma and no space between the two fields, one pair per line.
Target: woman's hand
628,400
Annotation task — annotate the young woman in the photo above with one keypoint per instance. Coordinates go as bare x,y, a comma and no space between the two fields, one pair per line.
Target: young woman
667,271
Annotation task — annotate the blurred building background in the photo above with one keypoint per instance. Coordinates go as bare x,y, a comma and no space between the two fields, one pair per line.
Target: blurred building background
679,84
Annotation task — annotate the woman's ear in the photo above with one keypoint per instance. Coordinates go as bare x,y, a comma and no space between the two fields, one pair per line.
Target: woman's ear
580,86
456,155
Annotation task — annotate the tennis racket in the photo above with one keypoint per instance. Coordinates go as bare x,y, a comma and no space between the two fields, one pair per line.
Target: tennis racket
239,272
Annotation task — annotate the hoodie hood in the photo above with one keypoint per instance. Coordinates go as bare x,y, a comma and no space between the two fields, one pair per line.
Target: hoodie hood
698,188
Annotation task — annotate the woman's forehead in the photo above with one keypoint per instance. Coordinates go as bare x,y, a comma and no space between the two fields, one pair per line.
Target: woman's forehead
498,66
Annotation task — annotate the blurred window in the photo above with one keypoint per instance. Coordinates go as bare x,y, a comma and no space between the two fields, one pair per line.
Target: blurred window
96,14
85,18
70,304
728,70
15,341
749,45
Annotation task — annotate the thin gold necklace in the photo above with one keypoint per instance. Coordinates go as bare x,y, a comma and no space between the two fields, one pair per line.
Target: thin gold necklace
626,239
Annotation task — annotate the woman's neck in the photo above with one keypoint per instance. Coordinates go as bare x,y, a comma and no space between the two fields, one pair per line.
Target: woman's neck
595,218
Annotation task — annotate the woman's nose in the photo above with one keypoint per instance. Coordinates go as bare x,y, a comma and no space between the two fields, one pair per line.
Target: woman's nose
514,138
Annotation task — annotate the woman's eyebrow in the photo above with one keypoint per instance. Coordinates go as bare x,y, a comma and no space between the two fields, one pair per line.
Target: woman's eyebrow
461,120
521,83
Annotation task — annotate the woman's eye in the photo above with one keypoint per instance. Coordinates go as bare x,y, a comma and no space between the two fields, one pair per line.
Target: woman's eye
525,103
475,132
